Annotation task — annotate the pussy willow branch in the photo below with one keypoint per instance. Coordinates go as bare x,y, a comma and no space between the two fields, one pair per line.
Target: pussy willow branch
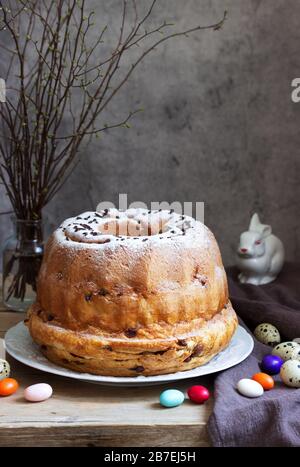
56,71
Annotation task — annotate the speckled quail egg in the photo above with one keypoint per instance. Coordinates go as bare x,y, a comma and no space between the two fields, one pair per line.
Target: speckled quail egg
4,369
296,354
297,340
285,350
290,373
267,334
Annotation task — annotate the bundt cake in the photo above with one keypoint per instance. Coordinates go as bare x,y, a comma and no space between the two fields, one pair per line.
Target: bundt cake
131,293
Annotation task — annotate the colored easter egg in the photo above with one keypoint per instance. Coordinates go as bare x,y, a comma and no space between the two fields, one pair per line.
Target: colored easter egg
38,392
4,369
198,394
8,386
171,398
249,388
267,334
271,364
266,381
290,373
285,350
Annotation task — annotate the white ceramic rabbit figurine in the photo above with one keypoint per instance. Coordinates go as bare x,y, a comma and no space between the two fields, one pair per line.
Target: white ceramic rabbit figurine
260,254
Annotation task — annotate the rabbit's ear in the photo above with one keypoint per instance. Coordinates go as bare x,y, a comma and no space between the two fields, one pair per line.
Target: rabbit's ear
255,223
266,231
257,226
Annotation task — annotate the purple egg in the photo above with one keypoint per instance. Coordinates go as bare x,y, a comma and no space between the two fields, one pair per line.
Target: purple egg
271,364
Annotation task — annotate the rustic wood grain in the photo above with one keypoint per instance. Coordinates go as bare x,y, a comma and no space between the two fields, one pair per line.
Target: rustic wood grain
85,414
105,436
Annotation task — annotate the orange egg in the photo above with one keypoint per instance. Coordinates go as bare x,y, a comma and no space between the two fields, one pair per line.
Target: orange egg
8,386
266,381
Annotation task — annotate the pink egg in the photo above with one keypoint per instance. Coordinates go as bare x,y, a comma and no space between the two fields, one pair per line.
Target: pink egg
38,392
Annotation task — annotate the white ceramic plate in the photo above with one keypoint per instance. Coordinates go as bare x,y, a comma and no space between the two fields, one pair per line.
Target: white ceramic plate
19,345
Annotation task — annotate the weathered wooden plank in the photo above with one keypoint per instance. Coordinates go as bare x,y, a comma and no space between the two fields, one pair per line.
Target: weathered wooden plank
105,436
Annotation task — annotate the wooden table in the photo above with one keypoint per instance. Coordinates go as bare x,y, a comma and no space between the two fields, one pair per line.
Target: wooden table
84,414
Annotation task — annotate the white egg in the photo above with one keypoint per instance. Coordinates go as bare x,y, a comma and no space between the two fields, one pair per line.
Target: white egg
249,388
267,334
285,350
296,353
4,369
297,340
290,373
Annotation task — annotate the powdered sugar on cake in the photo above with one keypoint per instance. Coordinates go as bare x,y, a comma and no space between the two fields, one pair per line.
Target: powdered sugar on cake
139,227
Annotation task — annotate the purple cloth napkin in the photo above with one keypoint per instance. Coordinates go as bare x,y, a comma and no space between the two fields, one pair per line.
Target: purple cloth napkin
273,419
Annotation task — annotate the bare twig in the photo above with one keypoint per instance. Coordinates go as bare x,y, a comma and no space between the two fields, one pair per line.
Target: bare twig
57,71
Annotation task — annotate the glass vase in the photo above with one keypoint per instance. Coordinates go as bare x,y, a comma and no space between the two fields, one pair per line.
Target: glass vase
22,256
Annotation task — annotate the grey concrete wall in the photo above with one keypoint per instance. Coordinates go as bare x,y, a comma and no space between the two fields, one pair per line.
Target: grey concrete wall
219,125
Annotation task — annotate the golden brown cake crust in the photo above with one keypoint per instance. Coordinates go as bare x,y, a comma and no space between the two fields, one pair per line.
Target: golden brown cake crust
177,348
137,294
